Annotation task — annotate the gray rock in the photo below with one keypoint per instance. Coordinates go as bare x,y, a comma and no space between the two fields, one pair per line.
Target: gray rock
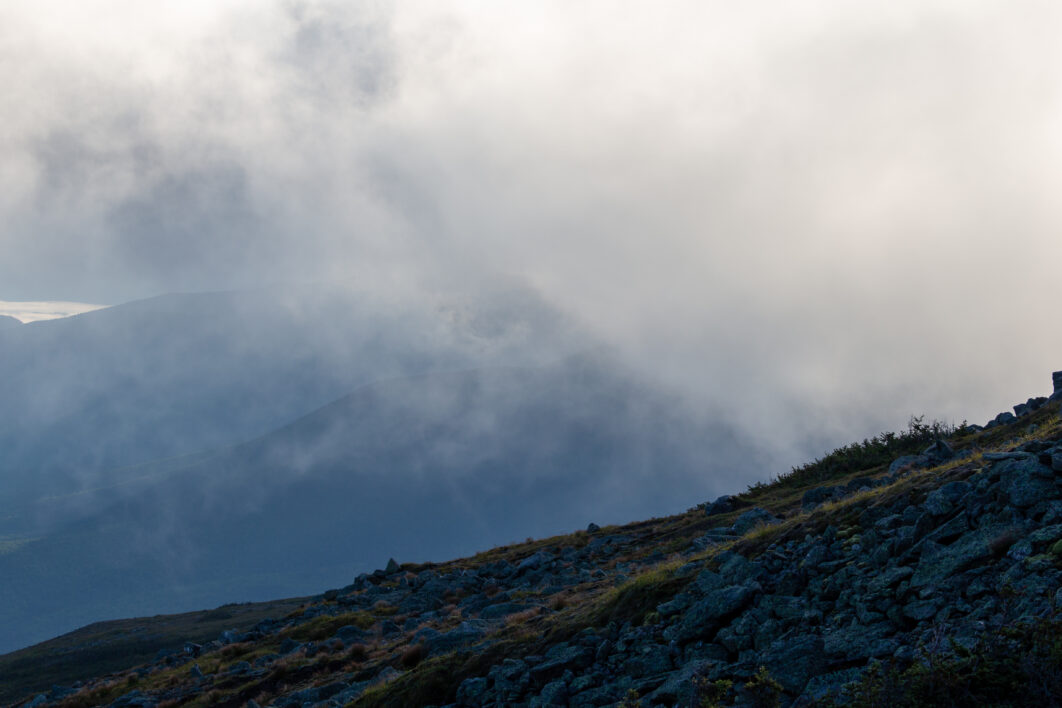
943,499
856,643
649,660
705,617
722,505
349,634
792,661
554,693
920,610
592,528
819,495
942,562
464,634
905,462
392,567
1002,419
950,530
940,451
503,609
861,483
751,519
883,582
533,562
134,698
472,692
1026,481
560,657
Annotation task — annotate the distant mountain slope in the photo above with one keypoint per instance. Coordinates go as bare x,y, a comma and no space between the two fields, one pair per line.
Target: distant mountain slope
87,397
424,467
915,569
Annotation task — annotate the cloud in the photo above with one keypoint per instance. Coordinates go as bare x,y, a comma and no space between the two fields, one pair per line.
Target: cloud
794,210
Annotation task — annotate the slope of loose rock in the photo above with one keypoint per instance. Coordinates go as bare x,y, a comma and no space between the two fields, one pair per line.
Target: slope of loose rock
801,594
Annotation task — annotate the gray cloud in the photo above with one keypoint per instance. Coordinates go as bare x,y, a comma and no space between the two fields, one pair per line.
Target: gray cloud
823,218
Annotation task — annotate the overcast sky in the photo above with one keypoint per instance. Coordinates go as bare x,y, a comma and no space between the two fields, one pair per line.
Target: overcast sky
810,208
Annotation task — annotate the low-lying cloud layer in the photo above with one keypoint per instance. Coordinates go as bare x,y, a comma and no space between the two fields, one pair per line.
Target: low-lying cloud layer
822,216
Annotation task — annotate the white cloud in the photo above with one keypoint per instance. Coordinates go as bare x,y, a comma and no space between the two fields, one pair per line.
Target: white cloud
836,203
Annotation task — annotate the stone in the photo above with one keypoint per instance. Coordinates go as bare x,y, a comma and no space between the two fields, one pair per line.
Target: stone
649,660
503,609
1026,481
940,451
888,579
792,661
392,567
134,698
533,562
943,562
751,519
560,657
943,499
855,642
705,617
722,505
920,610
592,528
819,495
906,462
1002,419
554,693
472,692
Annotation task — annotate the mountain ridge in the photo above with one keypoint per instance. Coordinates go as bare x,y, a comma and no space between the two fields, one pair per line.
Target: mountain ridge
910,569
421,467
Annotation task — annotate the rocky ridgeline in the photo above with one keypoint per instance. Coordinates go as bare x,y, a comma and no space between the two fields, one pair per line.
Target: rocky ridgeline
922,557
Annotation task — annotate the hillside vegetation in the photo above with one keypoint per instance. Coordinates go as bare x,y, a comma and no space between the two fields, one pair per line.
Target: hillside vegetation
916,568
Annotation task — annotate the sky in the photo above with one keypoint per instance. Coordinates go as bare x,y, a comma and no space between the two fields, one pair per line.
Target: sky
29,311
824,216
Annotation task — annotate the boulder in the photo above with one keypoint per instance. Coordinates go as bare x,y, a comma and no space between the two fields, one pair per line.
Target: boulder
1001,419
943,499
905,462
751,519
705,617
1026,481
721,505
794,660
819,495
472,692
944,561
940,451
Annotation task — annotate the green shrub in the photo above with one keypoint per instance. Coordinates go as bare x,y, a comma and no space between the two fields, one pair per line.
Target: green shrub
762,691
879,450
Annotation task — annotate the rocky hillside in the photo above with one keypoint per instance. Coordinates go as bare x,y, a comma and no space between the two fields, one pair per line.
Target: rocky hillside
919,568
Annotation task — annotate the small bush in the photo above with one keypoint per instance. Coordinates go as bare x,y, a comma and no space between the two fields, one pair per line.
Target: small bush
710,694
874,452
412,656
762,691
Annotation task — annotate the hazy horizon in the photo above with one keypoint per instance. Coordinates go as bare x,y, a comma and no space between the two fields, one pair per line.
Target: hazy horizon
820,218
